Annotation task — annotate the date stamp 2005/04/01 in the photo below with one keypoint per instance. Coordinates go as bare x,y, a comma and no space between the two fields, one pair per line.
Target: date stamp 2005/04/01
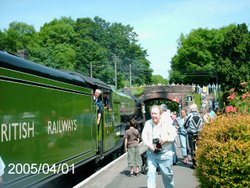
45,168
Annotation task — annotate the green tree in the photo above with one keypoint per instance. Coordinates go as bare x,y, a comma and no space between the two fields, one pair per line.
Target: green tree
233,65
158,79
212,55
92,56
54,45
194,58
3,40
17,36
81,45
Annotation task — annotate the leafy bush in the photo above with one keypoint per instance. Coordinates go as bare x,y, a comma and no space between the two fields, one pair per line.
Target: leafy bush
223,153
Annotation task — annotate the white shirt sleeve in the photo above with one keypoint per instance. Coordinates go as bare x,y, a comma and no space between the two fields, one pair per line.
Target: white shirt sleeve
147,134
2,166
172,134
169,133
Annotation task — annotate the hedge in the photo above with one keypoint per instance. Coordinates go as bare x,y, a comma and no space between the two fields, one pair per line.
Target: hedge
223,153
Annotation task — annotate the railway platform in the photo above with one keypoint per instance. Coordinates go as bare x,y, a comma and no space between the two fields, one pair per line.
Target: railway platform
115,175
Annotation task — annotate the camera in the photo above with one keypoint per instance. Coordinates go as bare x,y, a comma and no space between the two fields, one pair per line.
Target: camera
157,144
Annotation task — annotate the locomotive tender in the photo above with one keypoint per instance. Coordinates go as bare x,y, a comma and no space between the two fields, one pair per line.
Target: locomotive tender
48,121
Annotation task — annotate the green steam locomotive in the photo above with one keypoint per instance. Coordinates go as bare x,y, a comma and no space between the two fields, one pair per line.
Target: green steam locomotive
48,121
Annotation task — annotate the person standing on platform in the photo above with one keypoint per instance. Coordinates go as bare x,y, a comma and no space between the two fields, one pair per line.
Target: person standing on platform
193,125
158,137
183,135
132,138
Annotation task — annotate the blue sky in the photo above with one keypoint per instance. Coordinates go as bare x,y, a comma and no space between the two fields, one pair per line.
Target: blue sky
158,23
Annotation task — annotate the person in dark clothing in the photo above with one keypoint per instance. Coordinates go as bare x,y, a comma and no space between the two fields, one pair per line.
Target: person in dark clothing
193,126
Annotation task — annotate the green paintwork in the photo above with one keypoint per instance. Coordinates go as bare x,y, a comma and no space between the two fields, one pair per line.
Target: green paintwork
32,118
45,120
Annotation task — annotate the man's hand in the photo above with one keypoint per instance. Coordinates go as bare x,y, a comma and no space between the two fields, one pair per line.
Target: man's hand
97,121
98,118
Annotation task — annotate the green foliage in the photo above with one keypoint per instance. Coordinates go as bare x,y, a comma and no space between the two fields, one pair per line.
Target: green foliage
81,45
18,36
216,54
194,58
54,46
234,60
158,79
224,148
223,152
3,36
137,91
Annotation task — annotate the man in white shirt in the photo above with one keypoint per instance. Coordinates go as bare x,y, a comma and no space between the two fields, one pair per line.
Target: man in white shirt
158,135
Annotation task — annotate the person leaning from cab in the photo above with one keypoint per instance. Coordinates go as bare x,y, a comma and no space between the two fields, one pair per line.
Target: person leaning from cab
158,136
99,104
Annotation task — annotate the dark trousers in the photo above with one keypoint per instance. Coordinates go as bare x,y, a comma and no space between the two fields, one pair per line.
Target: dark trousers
192,139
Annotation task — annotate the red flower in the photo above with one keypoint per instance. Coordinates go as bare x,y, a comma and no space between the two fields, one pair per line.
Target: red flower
232,97
231,109
245,95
